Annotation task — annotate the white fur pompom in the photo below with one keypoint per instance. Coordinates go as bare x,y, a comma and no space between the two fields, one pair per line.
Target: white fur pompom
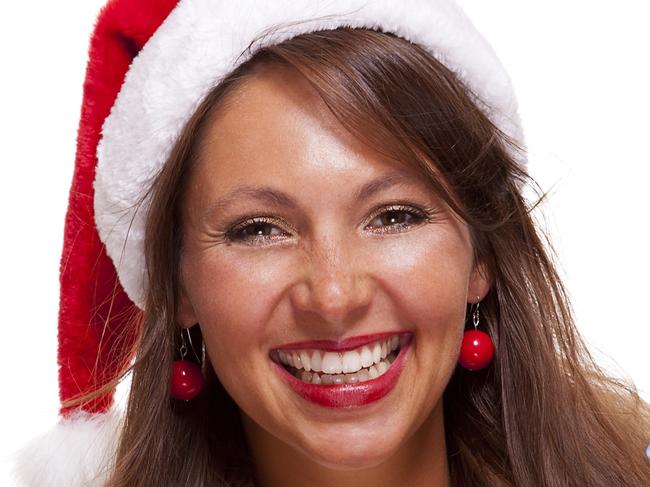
77,452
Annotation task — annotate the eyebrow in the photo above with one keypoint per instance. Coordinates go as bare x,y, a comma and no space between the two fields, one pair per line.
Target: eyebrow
275,197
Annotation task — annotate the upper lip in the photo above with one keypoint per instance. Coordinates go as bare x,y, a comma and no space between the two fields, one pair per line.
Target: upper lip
341,345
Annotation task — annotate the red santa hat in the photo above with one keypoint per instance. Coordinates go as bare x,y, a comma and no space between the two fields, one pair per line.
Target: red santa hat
151,63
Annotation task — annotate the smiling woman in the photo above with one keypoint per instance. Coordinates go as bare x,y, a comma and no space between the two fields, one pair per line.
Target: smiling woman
369,262
312,255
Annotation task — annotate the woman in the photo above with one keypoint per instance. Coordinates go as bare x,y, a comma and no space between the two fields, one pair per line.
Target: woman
324,224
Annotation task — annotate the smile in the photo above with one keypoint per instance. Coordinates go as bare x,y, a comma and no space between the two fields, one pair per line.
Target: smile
358,365
352,373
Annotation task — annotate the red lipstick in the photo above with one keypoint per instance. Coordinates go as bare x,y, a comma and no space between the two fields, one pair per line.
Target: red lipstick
347,395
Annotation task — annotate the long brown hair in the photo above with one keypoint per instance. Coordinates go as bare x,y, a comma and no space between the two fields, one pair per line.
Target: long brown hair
543,414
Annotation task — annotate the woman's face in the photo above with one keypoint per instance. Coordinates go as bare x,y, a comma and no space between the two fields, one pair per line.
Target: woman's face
299,238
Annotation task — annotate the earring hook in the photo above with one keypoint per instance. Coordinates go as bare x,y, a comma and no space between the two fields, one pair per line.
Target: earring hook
183,348
475,315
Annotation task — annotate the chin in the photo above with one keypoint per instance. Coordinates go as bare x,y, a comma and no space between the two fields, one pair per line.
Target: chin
352,451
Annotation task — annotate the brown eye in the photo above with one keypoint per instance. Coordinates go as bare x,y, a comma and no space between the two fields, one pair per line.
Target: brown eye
254,230
398,218
257,230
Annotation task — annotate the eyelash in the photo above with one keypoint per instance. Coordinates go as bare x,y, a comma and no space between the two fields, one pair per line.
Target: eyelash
236,232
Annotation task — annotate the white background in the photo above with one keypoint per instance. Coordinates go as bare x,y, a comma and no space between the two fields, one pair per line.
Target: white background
580,70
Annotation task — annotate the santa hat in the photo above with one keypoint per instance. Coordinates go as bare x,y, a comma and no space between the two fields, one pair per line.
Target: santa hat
151,63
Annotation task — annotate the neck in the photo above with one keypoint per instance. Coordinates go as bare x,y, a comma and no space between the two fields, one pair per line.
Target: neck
421,460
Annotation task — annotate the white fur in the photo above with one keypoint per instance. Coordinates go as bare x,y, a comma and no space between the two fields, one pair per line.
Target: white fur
197,45
77,452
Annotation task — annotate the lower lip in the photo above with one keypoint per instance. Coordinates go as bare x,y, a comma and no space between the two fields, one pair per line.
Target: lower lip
349,395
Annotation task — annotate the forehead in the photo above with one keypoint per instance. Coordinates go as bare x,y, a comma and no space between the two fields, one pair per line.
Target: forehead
277,113
275,126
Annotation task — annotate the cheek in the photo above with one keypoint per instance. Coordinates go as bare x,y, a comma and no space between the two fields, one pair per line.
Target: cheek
233,298
430,276
428,281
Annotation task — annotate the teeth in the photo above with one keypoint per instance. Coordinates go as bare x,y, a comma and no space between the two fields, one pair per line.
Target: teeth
362,375
332,363
316,361
305,360
372,372
349,367
351,378
366,357
376,353
381,367
351,362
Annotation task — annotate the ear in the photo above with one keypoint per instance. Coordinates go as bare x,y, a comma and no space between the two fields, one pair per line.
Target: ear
480,282
185,314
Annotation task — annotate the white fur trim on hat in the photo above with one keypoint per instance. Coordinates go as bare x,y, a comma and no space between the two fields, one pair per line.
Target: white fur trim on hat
200,43
78,451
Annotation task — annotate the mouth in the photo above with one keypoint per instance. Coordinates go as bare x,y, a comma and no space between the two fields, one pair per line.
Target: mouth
353,373
361,364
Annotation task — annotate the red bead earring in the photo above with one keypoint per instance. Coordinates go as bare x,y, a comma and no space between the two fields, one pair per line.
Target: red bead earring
186,376
476,350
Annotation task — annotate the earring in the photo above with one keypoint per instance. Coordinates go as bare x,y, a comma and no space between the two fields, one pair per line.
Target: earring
186,376
476,350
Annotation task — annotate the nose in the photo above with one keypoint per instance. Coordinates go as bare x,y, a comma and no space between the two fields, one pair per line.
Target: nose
335,285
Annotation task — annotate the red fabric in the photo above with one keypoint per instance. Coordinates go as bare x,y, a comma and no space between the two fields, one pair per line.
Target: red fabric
94,312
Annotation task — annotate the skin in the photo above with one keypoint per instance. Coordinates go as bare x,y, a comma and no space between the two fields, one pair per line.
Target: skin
329,268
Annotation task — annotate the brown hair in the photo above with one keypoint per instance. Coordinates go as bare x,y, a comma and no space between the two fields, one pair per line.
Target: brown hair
544,413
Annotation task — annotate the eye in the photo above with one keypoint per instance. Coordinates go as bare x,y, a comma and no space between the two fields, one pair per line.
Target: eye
255,229
397,218
260,230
